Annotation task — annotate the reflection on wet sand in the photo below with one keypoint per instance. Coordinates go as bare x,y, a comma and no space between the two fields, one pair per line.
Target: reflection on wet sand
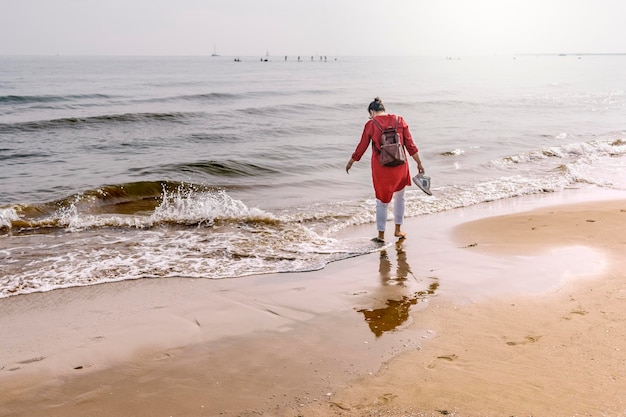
396,310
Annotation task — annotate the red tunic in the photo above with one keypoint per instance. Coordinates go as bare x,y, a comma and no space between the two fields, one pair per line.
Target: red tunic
387,180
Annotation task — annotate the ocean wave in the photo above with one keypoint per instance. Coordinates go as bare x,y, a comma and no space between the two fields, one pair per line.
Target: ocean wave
292,108
593,149
20,155
454,152
229,97
576,172
227,168
141,205
149,204
208,234
212,137
35,99
201,98
8,216
155,254
192,231
81,122
189,234
573,165
206,96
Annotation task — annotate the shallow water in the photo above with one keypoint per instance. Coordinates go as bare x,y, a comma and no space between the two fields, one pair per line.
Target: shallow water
124,168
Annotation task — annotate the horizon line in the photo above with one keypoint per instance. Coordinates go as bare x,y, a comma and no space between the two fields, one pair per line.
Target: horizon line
318,55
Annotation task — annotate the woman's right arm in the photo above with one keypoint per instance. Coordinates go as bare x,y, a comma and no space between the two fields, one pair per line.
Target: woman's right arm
362,146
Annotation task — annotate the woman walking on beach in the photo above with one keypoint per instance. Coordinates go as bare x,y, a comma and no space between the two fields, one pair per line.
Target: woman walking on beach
389,181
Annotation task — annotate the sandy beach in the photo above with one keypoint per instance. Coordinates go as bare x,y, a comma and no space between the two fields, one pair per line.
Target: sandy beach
510,308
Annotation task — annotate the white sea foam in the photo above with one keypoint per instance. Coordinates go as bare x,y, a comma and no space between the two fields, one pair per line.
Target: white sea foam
588,150
163,255
181,207
7,216
205,207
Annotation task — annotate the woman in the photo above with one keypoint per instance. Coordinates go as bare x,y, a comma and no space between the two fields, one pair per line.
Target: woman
389,182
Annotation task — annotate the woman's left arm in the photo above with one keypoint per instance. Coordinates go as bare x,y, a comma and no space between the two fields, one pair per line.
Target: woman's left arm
416,157
410,146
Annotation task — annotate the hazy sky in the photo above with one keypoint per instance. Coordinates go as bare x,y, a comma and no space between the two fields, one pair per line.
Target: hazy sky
311,27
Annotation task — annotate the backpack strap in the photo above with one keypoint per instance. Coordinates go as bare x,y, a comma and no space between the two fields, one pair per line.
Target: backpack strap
378,125
374,148
381,130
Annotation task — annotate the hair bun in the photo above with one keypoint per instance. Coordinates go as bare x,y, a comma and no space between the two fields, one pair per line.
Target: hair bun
376,105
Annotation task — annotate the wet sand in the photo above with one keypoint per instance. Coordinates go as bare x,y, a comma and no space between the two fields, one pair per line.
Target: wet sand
508,308
562,353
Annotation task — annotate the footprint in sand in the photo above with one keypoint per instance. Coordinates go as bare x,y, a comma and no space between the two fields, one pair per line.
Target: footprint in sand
381,400
162,356
25,362
527,340
580,312
339,405
31,360
449,358
385,398
575,312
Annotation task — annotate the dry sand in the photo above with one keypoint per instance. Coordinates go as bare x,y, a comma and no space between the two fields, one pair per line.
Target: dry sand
505,309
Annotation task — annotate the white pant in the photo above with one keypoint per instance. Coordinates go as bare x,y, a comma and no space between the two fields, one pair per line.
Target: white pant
398,210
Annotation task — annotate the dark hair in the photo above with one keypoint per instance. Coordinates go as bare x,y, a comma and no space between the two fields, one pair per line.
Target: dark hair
376,105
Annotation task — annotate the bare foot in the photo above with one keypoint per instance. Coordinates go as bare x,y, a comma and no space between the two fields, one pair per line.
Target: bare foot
400,235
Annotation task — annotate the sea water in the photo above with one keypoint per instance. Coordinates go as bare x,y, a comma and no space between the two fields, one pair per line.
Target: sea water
117,168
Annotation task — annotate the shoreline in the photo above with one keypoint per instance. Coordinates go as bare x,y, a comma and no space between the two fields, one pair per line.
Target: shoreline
285,342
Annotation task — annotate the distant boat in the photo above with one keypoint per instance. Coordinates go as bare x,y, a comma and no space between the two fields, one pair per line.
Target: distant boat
214,51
